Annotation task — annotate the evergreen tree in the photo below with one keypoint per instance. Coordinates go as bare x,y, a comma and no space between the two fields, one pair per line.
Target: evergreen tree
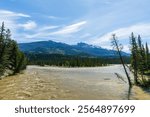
3,55
17,60
147,58
140,60
10,56
21,63
141,57
134,57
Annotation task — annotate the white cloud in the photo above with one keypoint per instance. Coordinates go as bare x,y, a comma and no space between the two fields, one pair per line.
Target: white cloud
70,29
123,35
11,20
63,32
125,32
28,25
6,13
46,28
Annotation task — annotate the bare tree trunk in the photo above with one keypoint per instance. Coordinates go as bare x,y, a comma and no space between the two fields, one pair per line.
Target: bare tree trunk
119,52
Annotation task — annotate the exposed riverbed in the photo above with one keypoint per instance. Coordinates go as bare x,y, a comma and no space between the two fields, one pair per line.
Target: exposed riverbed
70,83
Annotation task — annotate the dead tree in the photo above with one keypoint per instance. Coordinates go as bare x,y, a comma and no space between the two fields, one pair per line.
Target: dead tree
118,47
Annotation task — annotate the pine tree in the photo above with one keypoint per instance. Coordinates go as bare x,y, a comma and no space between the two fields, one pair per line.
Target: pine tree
21,65
10,56
141,57
147,57
3,55
14,58
134,57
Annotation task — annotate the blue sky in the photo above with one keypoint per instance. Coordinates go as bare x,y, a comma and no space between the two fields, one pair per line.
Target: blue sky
73,21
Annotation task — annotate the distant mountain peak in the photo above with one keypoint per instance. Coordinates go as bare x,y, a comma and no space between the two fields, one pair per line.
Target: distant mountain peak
52,47
82,44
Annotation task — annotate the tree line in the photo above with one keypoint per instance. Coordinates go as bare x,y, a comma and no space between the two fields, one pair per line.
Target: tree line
70,61
140,60
12,60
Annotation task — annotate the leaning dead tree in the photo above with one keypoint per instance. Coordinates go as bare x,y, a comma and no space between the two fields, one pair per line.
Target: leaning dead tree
118,47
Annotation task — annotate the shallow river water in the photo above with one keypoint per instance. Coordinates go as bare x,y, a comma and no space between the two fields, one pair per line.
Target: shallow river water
70,83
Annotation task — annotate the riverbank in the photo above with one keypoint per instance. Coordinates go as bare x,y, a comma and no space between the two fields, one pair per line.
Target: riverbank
46,83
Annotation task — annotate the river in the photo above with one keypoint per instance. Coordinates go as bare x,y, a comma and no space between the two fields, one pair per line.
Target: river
96,83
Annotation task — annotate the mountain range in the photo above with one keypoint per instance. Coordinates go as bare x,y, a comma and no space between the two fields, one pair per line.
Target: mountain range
82,49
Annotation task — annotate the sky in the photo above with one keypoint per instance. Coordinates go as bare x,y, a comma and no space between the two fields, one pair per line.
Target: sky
74,21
